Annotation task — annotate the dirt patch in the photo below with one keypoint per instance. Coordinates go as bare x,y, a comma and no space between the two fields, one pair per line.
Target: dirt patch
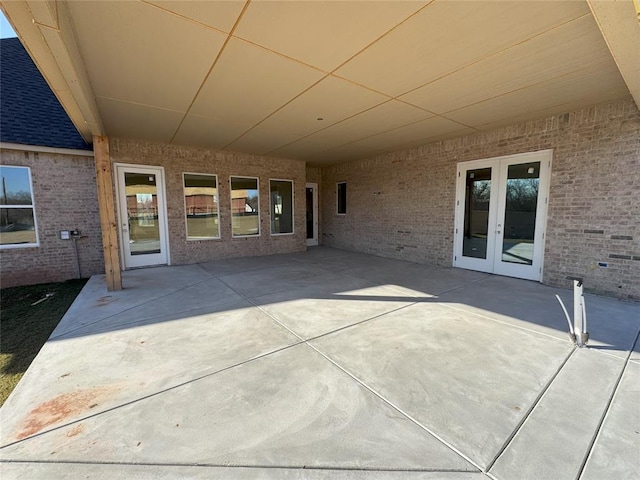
76,430
106,300
61,408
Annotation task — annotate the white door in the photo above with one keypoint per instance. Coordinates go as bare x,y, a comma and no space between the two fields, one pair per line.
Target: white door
312,214
501,210
143,217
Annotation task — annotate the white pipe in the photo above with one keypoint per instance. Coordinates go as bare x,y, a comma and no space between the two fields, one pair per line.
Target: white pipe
577,310
584,316
566,314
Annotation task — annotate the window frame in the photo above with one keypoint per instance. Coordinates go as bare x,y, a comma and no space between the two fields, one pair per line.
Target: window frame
184,197
293,209
32,206
257,179
338,212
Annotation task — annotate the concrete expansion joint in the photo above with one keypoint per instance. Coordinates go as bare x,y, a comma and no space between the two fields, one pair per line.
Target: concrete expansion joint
607,409
528,413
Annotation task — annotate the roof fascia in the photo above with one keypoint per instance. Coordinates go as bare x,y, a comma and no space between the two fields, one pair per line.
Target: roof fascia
41,149
46,31
619,23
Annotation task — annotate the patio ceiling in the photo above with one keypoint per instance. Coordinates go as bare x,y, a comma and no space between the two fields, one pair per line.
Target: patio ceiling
324,81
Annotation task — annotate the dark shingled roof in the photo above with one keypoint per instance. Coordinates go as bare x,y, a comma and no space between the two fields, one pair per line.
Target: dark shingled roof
30,113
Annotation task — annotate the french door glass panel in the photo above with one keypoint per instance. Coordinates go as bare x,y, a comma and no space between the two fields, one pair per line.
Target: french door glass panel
521,202
476,213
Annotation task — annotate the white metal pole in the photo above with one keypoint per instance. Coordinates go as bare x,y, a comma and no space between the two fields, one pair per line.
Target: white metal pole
577,311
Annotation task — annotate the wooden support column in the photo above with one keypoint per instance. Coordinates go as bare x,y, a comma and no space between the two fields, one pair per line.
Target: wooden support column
106,205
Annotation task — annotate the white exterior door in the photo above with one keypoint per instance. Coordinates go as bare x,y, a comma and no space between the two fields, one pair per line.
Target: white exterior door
312,214
142,214
501,210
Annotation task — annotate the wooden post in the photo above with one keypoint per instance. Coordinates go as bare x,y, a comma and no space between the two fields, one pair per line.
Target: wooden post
106,204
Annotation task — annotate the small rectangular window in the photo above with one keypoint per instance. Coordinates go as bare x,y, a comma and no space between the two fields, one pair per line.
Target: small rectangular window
342,198
281,206
245,207
17,212
201,206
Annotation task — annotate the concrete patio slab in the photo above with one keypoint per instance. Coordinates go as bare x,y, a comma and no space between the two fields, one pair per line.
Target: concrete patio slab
66,471
310,312
241,419
564,421
617,448
612,324
469,380
326,364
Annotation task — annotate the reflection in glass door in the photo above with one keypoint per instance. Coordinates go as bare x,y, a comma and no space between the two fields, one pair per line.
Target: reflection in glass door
142,216
501,214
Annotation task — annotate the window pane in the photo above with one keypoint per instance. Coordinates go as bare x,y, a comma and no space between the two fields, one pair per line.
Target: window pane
245,214
520,213
142,211
16,188
476,213
342,198
17,226
281,206
201,206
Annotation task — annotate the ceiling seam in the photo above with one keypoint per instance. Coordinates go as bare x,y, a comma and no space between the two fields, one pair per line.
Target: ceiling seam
541,82
138,104
229,36
562,25
184,17
330,74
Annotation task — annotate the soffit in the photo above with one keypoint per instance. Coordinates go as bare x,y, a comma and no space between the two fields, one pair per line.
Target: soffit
255,76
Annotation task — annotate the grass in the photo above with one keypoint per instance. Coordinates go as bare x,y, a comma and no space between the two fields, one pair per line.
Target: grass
24,328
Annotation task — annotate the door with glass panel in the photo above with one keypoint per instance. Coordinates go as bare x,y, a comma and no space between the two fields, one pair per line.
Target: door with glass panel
142,212
501,208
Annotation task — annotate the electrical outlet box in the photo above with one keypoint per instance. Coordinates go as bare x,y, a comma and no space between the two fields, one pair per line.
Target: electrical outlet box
65,235
75,233
603,264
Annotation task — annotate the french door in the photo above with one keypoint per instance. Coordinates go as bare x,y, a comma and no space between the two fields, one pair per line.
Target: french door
143,217
501,210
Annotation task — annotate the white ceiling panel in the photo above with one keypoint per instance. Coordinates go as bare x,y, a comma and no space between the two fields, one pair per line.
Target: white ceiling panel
127,59
381,118
584,86
130,120
415,134
208,131
263,139
331,100
321,33
447,36
554,54
221,15
249,83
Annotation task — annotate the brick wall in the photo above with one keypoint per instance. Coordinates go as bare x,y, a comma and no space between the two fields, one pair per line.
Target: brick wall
179,159
64,188
401,204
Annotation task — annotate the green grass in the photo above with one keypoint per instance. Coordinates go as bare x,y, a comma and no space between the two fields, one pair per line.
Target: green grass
24,328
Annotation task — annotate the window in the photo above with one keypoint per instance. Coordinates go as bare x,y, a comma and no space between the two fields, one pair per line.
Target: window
201,206
17,214
281,206
342,198
245,207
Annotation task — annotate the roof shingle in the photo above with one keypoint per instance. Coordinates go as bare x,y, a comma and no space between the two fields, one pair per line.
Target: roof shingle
30,113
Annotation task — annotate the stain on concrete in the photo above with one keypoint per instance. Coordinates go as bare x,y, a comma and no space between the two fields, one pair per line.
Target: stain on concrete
61,408
77,429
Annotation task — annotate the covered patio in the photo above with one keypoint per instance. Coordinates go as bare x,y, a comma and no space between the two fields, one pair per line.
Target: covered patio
327,364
